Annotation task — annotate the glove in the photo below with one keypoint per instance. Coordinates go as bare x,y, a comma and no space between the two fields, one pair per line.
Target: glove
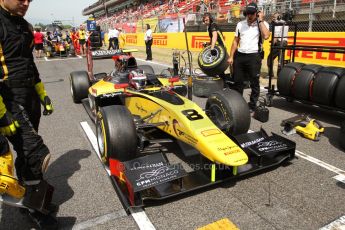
45,100
47,105
8,126
214,52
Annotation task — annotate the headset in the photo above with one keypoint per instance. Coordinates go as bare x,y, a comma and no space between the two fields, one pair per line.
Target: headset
252,5
209,15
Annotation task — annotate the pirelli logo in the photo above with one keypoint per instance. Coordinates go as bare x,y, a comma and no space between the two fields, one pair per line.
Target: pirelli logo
160,40
197,41
320,56
132,39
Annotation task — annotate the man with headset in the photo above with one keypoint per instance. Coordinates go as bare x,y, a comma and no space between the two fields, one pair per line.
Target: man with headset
246,52
279,40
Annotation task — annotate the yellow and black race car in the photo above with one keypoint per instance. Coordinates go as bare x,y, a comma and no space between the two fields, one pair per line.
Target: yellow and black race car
135,110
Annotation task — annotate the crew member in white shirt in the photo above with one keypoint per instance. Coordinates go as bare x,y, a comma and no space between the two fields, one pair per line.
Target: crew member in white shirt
279,40
246,52
148,42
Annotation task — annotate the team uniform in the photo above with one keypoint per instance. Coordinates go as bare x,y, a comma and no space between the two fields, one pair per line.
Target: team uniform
247,59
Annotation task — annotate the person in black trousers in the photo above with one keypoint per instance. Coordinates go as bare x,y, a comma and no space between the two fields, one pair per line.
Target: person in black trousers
148,42
246,52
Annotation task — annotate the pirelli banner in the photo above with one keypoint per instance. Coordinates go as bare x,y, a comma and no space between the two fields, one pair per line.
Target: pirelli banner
196,40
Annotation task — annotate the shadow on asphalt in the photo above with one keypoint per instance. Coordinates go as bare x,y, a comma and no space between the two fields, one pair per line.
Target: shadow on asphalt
318,113
58,174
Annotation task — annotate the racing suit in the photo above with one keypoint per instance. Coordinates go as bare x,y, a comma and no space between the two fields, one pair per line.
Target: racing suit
21,92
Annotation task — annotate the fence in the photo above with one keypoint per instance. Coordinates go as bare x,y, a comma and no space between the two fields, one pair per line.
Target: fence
311,15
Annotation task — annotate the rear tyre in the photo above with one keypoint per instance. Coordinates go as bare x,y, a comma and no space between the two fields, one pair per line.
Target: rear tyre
204,86
116,134
213,65
80,84
229,111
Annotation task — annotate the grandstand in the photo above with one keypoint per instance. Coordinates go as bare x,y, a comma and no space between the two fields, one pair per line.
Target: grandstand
132,15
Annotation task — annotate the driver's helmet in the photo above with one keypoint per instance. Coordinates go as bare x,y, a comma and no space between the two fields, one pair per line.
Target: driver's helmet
137,79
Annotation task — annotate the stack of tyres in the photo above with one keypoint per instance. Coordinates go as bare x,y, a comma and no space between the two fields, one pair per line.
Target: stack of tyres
302,83
286,77
325,84
339,99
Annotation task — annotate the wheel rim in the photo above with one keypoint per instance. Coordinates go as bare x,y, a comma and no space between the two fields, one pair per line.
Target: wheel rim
215,113
208,58
71,86
101,141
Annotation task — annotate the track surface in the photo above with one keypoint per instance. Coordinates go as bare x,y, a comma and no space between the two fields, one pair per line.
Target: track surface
302,195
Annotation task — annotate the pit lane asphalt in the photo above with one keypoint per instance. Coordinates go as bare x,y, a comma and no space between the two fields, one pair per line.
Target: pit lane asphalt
302,195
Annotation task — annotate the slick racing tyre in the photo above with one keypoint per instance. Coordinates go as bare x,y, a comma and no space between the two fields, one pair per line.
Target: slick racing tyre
116,133
340,93
286,77
229,111
303,81
213,65
324,85
80,83
203,86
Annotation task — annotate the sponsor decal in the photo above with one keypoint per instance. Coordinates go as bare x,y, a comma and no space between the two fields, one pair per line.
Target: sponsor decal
98,53
151,170
182,134
132,39
210,132
308,41
140,108
270,146
160,40
197,41
249,143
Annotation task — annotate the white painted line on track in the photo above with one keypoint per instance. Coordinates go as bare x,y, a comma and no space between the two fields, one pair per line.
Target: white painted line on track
89,224
63,59
338,224
320,163
153,62
138,215
340,178
341,173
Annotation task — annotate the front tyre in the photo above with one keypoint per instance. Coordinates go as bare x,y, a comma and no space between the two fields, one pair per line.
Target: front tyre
80,84
116,134
228,110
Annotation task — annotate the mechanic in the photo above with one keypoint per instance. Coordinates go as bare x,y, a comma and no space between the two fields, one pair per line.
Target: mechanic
216,37
246,52
280,40
21,92
82,40
148,42
122,39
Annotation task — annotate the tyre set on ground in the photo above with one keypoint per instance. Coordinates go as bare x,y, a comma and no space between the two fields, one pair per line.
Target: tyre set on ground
314,83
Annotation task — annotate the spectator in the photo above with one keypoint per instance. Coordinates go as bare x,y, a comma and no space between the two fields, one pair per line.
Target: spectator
38,40
148,42
245,54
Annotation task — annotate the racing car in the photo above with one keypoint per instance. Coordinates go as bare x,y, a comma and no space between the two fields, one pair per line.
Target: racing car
135,110
59,48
